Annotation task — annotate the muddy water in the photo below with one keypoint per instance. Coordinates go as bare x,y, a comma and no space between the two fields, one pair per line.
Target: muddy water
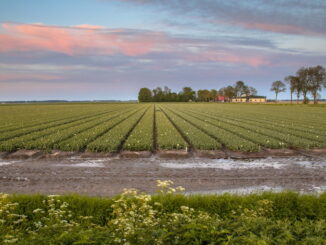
108,176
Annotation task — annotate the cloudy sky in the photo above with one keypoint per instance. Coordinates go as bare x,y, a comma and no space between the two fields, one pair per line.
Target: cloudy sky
108,49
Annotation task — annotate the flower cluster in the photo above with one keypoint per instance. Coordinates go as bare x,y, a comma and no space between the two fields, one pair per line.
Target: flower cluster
9,220
164,187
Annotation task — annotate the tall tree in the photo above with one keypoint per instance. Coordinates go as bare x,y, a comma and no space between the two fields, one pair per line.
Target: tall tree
253,91
158,94
188,94
144,95
304,76
295,86
239,88
166,94
229,92
213,93
278,87
317,80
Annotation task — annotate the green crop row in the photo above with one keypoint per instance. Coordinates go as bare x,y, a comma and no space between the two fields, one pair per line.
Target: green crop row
23,131
251,135
230,140
281,119
32,139
31,116
141,138
196,137
75,127
51,141
168,138
258,133
113,139
287,136
80,141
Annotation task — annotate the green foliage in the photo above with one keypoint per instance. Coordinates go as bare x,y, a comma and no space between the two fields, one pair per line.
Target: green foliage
141,137
144,95
168,217
111,141
205,126
168,137
194,135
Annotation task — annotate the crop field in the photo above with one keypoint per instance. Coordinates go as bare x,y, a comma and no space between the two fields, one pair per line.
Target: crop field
108,127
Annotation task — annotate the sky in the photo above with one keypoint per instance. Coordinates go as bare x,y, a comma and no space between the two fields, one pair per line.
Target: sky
109,49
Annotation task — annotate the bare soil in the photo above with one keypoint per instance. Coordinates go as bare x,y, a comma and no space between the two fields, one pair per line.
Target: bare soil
107,175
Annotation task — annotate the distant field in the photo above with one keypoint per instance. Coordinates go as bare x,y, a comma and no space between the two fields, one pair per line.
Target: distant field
162,126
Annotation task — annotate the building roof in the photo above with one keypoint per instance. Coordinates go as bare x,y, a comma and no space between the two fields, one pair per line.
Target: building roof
251,97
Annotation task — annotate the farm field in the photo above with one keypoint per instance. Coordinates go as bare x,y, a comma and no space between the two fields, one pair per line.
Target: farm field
116,127
268,200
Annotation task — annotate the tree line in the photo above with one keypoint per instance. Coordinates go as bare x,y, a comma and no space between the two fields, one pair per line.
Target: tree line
188,94
310,80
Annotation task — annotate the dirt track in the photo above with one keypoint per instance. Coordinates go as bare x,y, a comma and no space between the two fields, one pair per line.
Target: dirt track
108,176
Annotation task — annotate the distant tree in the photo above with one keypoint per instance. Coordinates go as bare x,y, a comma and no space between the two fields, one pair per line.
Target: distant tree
278,87
304,77
188,94
229,92
158,95
221,91
166,94
253,91
213,93
174,97
317,80
295,86
239,88
203,95
246,91
144,95
200,95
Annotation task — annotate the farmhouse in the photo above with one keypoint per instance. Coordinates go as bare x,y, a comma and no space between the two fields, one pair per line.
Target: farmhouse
250,99
221,98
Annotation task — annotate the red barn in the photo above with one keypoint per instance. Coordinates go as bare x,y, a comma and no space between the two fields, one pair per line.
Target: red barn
221,98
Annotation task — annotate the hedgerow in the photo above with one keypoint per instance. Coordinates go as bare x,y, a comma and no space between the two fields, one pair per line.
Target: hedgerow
169,217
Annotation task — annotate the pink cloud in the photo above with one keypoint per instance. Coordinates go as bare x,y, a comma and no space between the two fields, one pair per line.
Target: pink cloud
11,76
208,56
270,27
84,39
279,28
93,27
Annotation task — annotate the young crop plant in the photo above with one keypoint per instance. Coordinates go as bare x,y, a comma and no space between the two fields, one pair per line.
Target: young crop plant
251,133
50,142
195,136
113,139
23,131
80,141
230,140
141,138
284,137
27,140
168,137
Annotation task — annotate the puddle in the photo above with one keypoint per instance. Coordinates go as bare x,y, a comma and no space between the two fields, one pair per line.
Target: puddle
98,163
5,163
258,189
229,164
240,191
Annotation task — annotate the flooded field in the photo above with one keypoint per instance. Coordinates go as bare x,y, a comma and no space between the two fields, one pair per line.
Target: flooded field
108,176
